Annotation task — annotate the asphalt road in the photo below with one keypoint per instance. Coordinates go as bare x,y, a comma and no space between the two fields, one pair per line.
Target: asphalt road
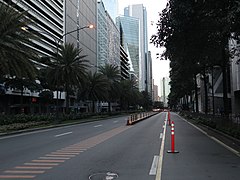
200,157
106,149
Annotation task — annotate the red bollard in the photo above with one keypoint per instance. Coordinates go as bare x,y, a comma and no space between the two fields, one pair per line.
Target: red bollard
172,140
169,120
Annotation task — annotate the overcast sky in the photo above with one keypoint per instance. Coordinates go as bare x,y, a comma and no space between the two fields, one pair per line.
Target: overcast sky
160,68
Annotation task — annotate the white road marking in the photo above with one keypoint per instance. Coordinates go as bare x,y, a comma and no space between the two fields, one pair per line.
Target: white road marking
115,121
160,161
161,135
98,125
63,134
153,170
36,131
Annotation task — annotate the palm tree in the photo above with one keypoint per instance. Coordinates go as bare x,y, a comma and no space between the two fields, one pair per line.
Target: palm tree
129,94
67,69
113,76
21,84
95,88
16,54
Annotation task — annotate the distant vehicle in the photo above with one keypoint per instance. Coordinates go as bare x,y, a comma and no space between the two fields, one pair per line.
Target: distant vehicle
157,110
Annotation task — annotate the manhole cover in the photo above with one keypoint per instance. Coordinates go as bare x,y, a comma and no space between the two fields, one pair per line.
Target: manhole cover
103,176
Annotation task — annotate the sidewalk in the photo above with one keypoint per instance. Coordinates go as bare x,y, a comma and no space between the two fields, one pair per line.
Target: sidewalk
199,157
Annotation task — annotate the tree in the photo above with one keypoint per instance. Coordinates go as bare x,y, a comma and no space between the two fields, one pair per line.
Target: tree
21,84
45,98
67,69
16,54
197,32
129,94
112,73
146,101
95,88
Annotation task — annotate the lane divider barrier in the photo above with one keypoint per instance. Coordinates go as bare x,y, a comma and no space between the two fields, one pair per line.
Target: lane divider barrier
172,140
134,118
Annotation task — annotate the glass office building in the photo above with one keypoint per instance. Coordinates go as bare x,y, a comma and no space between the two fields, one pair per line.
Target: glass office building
130,27
112,8
49,18
108,38
140,12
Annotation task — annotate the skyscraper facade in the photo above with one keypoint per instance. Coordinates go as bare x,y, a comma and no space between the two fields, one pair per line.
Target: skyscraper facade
108,38
54,19
49,18
165,90
112,8
139,11
130,28
77,14
113,42
102,35
149,77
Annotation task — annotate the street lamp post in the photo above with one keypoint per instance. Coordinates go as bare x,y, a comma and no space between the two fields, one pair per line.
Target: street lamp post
78,29
57,41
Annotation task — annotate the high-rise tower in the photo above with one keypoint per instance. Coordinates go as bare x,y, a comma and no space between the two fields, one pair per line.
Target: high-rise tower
112,8
140,12
129,27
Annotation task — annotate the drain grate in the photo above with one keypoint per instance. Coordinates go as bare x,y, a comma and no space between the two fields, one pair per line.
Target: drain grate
103,176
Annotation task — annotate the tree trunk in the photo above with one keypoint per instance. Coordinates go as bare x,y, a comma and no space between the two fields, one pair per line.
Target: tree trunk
21,101
225,86
93,106
196,93
67,102
109,106
205,91
213,104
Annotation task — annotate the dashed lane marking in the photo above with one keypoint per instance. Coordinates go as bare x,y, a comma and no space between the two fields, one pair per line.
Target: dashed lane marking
16,176
53,159
98,125
33,167
63,134
161,135
153,169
